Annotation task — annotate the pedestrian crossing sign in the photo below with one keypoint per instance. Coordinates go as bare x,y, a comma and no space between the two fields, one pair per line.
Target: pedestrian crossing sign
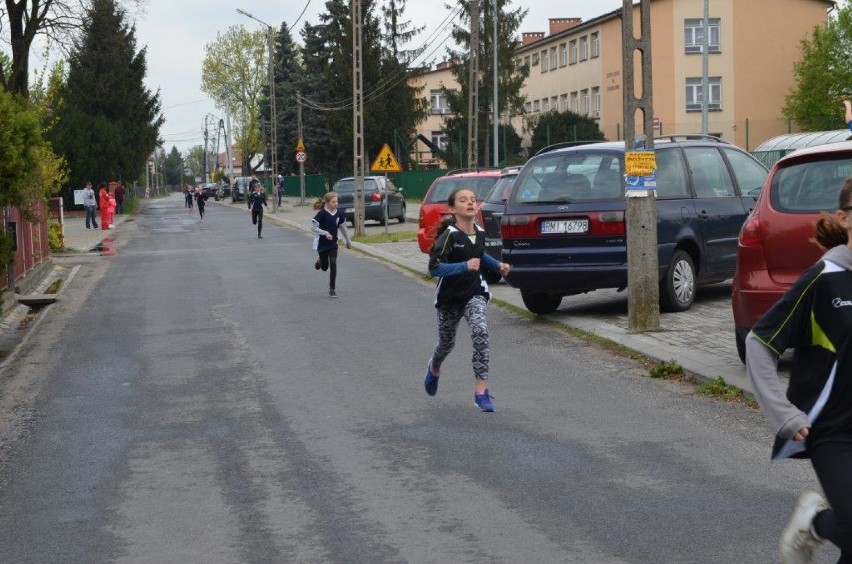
385,161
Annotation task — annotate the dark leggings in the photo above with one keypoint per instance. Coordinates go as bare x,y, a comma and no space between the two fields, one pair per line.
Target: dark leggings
328,261
201,210
833,465
257,219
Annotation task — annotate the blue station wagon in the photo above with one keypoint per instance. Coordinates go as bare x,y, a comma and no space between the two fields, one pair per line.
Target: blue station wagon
564,228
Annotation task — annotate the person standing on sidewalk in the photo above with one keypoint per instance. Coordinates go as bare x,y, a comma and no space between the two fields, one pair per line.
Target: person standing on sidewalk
119,198
103,202
456,258
90,204
256,203
324,225
814,418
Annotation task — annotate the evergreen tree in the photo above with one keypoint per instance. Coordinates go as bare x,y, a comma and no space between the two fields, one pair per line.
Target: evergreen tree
107,121
560,127
823,75
174,167
510,79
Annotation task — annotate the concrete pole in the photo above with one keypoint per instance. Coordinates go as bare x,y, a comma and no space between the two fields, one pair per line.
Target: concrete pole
301,165
643,291
705,64
473,88
496,109
359,159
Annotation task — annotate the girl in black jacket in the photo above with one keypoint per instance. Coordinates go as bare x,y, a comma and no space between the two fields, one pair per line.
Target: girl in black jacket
456,258
814,418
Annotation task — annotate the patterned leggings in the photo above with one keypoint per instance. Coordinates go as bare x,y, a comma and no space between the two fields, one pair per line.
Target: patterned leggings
448,321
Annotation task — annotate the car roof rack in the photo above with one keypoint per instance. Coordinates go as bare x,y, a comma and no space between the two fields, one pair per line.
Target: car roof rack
564,144
464,170
690,137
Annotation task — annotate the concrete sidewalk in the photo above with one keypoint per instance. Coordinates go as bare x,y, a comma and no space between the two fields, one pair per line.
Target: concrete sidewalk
700,340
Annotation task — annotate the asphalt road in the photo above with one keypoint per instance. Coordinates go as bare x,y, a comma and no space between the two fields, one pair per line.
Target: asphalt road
198,397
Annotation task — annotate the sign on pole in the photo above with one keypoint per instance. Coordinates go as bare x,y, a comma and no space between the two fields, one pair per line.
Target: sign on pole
385,161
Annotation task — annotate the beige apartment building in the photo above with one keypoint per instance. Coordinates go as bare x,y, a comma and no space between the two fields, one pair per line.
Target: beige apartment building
752,47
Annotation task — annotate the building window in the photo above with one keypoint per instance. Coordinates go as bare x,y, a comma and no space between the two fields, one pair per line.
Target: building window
553,58
693,35
544,61
596,45
534,59
438,103
563,105
527,61
528,107
439,138
563,54
575,105
694,96
554,103
536,106
572,52
584,47
584,94
596,102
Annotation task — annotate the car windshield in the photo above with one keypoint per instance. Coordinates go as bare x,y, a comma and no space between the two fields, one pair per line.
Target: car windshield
570,177
347,185
446,185
501,190
810,187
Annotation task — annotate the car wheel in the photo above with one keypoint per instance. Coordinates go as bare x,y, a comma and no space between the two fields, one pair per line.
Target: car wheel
740,336
677,289
540,303
401,217
492,277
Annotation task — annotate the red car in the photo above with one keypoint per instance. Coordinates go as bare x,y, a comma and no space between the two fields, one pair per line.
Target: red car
434,206
776,243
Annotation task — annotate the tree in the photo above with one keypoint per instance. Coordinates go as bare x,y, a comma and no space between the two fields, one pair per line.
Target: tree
823,75
194,161
559,127
510,79
173,167
235,74
25,19
107,121
288,78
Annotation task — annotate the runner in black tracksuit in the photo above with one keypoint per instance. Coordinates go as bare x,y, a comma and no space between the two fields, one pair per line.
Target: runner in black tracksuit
456,258
256,203
814,419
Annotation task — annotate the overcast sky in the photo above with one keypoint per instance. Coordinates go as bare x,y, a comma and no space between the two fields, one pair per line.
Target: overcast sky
175,32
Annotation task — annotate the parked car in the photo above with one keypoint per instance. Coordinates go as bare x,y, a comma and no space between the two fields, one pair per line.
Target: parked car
378,191
209,191
224,191
491,212
564,225
240,188
776,242
434,205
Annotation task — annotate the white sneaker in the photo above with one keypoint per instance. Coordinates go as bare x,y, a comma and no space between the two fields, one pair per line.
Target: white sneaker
798,540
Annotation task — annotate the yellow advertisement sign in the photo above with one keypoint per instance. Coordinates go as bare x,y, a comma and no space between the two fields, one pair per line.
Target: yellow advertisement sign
640,163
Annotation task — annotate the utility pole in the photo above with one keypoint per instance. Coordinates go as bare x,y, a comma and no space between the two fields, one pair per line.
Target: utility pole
273,134
359,159
643,291
473,88
205,149
301,164
705,64
496,110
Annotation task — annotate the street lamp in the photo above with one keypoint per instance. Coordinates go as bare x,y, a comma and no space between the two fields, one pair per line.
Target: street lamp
273,118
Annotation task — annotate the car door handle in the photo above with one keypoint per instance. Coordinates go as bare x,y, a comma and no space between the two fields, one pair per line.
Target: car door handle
703,214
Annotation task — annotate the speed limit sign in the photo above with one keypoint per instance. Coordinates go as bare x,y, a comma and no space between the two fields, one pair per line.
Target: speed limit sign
301,156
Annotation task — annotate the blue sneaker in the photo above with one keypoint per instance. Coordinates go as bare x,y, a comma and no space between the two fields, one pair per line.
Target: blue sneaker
483,401
430,381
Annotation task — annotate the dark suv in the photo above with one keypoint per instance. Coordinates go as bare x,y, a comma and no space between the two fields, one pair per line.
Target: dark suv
240,189
564,229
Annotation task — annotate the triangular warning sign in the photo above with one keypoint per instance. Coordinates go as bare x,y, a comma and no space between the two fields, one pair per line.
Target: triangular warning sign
300,146
385,162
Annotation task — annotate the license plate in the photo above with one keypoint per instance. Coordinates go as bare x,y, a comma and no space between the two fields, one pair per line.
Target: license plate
565,226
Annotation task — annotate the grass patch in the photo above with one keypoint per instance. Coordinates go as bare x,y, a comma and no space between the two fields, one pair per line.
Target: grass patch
393,237
54,286
670,369
721,390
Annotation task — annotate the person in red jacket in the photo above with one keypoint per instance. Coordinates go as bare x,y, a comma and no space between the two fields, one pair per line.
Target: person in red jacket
103,203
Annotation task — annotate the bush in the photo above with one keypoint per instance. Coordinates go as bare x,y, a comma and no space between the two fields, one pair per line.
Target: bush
55,237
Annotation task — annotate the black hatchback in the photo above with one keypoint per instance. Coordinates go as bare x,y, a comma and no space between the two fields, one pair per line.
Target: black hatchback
564,228
491,212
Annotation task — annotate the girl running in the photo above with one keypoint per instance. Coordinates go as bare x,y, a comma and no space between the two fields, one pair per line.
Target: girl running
814,418
256,203
456,258
325,225
199,198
